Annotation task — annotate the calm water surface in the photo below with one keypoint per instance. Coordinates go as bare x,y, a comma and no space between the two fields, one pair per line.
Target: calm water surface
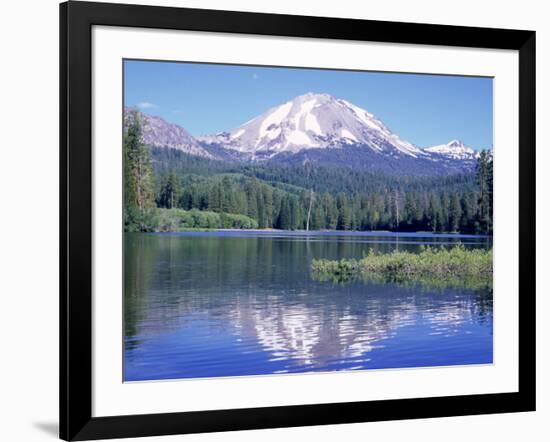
206,304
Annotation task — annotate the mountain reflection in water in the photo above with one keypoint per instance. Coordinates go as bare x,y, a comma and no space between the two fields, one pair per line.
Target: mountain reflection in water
230,305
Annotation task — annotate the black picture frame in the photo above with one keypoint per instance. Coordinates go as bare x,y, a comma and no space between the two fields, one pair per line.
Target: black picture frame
76,21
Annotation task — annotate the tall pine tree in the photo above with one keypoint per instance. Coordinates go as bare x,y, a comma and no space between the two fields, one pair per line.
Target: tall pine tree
485,182
138,176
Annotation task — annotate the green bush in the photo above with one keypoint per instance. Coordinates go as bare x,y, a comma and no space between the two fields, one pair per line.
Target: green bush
174,220
136,221
436,266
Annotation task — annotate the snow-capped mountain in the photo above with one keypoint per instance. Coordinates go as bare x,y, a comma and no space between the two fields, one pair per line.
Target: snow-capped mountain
157,132
313,121
316,129
455,150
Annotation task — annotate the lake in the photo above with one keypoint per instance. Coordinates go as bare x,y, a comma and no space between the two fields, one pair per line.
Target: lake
236,303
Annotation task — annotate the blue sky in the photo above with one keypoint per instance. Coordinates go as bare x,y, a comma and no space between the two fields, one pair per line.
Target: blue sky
205,98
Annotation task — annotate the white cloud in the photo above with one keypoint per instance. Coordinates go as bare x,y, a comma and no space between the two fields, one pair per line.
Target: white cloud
146,105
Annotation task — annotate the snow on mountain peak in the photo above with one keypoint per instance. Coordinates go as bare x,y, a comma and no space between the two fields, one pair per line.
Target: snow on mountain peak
454,149
455,143
313,121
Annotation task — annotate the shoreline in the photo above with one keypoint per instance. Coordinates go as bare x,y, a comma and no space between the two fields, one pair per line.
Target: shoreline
386,233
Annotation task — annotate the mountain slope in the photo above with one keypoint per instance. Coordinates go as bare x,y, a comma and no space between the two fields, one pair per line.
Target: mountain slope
157,132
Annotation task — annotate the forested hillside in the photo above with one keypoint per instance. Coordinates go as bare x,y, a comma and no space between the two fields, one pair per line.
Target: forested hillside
215,194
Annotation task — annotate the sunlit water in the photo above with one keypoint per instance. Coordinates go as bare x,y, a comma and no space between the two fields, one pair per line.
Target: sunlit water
244,303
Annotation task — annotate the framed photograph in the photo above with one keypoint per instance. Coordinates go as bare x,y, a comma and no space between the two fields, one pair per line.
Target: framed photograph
273,220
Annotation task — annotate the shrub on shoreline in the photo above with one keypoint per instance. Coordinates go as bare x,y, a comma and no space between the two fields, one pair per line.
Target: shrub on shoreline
175,220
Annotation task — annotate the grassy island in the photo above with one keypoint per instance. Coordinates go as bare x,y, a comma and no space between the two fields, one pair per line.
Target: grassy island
456,266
